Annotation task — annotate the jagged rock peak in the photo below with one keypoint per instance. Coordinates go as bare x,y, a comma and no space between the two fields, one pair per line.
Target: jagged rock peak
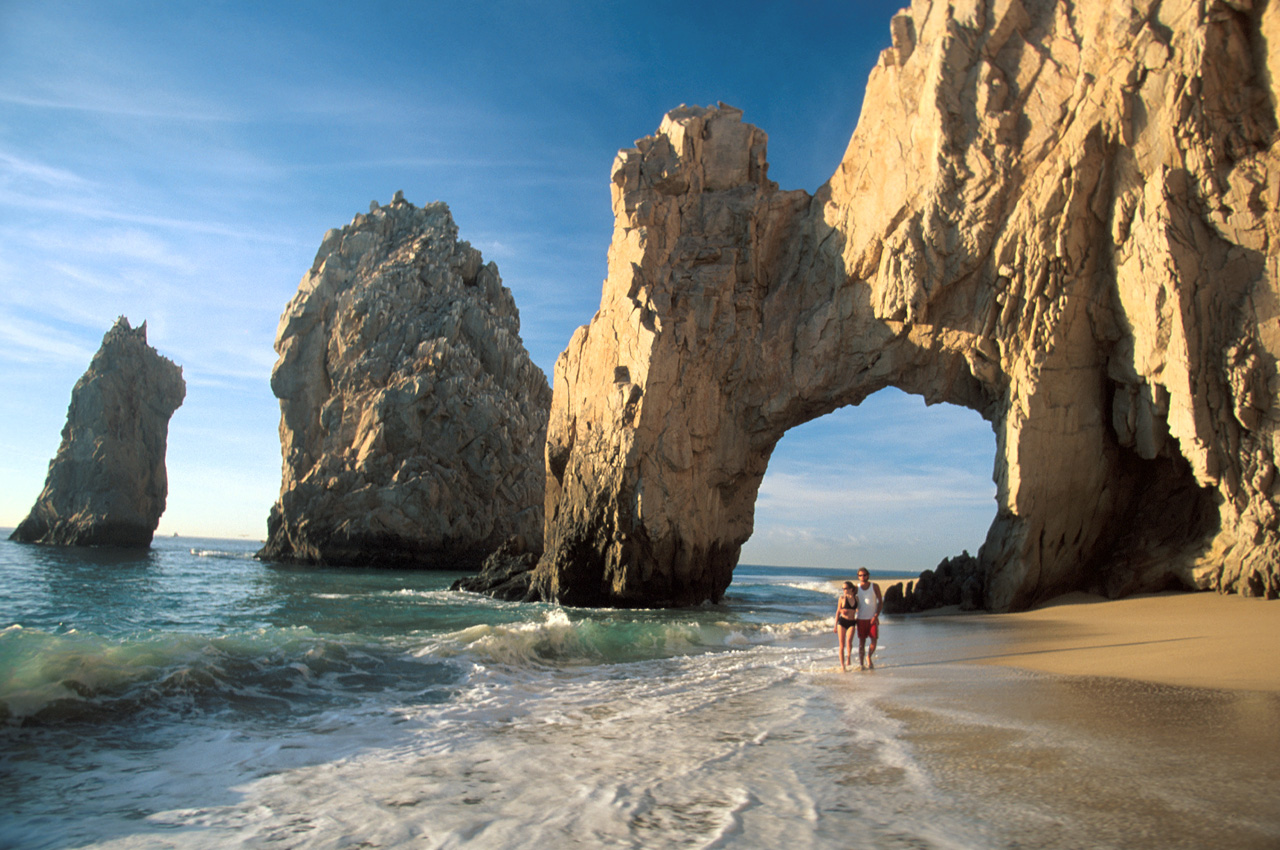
1061,215
412,419
107,483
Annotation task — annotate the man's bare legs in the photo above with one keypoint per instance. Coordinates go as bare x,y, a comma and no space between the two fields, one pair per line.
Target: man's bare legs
866,658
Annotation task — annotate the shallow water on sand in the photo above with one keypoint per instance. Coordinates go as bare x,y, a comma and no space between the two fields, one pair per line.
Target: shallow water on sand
193,697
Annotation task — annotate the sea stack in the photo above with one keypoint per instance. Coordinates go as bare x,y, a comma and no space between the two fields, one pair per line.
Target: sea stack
412,421
1062,215
107,484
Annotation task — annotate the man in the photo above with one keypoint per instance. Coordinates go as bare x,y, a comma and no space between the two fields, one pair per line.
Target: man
870,601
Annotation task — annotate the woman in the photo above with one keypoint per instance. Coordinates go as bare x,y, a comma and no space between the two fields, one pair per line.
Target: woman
846,624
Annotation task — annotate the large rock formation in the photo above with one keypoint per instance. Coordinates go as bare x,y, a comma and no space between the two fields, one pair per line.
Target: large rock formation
1058,214
411,417
107,484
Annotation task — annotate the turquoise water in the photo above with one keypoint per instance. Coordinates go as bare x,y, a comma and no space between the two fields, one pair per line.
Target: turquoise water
200,626
192,697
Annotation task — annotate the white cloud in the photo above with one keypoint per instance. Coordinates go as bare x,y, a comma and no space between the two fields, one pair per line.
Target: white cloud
118,103
32,341
801,493
93,209
16,169
112,245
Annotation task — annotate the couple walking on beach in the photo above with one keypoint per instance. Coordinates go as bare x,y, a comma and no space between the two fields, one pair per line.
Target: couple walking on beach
858,612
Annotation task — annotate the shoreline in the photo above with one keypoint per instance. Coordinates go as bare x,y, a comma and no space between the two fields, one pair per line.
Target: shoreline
1182,638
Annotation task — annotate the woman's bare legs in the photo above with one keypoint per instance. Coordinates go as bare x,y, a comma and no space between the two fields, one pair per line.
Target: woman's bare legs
844,635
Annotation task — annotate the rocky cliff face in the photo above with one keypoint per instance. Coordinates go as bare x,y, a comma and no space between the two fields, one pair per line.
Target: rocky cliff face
412,419
107,484
1060,215
652,466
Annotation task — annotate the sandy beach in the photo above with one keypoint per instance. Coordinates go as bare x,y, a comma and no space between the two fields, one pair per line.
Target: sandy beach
1202,640
1145,722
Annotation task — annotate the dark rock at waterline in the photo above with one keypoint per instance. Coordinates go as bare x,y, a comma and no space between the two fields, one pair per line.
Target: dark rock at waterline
506,574
955,581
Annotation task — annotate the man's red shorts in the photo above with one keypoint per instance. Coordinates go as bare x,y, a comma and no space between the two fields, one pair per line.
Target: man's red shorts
868,629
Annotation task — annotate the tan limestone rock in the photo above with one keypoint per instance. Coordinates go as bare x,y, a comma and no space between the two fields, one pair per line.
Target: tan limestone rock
107,485
1060,215
412,419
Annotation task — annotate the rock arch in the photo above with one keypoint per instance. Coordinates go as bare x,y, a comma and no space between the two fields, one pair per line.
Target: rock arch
1058,215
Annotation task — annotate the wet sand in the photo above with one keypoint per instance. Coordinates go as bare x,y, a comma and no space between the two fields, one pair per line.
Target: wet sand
1063,762
1145,723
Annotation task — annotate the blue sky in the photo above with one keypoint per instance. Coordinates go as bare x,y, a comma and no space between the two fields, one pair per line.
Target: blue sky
179,162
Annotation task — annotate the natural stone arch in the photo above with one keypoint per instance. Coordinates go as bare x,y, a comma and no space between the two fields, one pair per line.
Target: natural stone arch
727,320
1069,244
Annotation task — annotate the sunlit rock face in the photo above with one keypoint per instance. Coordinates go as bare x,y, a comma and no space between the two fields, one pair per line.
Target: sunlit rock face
412,419
1059,215
107,485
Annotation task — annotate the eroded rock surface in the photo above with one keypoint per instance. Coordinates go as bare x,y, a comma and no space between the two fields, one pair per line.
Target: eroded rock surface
412,419
107,484
1061,215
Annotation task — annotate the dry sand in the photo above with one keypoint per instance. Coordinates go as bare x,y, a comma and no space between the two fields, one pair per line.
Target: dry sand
1204,640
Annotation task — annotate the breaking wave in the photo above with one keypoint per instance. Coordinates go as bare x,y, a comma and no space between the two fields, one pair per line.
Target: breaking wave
83,677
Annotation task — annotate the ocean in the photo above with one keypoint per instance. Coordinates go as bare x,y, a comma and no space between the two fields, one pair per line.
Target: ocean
193,697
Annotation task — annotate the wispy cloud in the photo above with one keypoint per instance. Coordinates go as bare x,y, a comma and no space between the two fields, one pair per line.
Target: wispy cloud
801,494
411,162
118,104
117,245
30,341
18,170
808,537
90,209
234,370
80,278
